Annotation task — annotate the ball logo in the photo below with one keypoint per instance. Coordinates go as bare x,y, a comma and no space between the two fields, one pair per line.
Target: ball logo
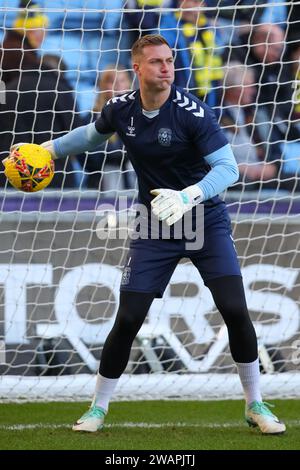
21,166
165,137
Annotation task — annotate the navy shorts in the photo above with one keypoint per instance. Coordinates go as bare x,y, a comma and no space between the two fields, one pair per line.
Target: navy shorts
151,263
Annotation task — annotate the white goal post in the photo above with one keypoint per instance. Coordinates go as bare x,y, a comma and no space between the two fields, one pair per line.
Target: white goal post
63,249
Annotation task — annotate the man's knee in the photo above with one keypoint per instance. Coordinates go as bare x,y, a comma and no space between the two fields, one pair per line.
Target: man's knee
234,311
129,319
229,296
132,310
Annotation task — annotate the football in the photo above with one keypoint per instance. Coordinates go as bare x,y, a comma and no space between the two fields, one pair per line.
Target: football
29,168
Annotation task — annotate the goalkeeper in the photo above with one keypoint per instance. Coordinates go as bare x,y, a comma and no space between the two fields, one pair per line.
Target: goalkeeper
181,157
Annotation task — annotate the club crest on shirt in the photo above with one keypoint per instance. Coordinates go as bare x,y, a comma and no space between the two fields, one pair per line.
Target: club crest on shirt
165,137
126,276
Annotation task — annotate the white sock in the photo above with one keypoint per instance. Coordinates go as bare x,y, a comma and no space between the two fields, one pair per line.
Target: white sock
103,391
249,376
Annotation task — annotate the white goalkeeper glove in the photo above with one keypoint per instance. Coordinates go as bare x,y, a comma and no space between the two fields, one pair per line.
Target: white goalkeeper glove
11,150
49,145
170,205
13,147
46,145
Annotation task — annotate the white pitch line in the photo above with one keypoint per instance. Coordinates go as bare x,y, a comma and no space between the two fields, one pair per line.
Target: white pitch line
234,424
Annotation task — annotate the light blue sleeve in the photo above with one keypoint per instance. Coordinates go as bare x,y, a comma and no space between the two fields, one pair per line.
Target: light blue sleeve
224,172
81,139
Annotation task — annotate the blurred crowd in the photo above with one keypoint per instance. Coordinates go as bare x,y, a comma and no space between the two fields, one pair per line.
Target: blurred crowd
61,60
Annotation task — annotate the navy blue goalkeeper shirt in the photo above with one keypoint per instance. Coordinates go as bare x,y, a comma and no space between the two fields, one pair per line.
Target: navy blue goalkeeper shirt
166,151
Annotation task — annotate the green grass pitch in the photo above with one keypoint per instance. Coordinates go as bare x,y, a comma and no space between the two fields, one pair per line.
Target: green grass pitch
151,425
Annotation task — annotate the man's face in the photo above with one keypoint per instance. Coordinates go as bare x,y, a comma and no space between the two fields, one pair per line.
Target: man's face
155,67
268,45
36,37
191,16
116,83
244,93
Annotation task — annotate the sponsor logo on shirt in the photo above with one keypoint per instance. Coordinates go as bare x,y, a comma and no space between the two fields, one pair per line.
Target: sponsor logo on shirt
165,137
131,129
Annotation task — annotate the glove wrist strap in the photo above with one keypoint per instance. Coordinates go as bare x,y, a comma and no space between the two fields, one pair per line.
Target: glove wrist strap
195,194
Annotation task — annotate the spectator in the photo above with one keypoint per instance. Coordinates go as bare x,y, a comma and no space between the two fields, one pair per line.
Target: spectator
266,56
294,21
252,13
197,62
7,15
275,79
248,14
243,26
88,41
291,149
255,163
229,21
109,168
39,101
71,174
294,62
89,35
146,20
18,53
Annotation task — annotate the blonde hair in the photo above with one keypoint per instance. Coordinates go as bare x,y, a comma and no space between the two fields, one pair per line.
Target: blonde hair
235,73
107,76
147,40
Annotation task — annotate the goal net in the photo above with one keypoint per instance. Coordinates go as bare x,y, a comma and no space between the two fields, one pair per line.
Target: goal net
63,249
